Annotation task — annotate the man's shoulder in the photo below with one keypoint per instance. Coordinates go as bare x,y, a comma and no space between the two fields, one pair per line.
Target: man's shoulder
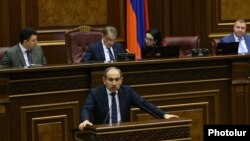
247,36
228,38
13,48
37,47
98,89
116,44
98,43
126,88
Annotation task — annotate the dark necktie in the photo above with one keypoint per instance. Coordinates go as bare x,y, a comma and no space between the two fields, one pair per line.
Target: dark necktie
28,55
114,108
112,58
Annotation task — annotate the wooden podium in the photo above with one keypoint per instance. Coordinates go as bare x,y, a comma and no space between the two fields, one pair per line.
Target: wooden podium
153,130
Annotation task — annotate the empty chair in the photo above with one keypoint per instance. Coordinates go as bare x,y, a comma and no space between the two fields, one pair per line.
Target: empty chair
78,40
186,43
214,43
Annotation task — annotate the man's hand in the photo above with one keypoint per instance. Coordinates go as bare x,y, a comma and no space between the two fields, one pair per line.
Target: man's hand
168,116
84,124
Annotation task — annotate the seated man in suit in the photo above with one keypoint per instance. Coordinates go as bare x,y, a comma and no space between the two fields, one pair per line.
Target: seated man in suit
239,35
111,102
105,50
26,53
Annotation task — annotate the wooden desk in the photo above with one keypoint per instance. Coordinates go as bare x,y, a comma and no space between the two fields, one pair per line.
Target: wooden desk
43,103
153,130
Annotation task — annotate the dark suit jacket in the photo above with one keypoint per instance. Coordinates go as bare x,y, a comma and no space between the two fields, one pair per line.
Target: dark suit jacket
13,57
96,104
230,38
95,52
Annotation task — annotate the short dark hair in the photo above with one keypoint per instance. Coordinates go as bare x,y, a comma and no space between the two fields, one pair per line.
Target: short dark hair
26,33
156,34
111,68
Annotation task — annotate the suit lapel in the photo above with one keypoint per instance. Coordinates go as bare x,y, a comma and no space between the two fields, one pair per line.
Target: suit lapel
247,41
20,55
232,38
33,55
101,51
115,50
121,103
104,99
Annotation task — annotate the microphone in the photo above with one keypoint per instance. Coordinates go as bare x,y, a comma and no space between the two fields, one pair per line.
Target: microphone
127,51
146,109
106,117
108,114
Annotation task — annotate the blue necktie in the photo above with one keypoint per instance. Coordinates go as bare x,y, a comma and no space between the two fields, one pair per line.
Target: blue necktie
28,55
114,109
112,58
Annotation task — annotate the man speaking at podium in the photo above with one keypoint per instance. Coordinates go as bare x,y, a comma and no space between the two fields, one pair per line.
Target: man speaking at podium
111,102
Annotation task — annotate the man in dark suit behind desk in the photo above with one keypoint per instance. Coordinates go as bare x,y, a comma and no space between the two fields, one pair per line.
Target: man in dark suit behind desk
239,35
26,53
101,100
105,50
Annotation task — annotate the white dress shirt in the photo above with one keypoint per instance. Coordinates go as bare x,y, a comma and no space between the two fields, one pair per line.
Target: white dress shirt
24,54
242,45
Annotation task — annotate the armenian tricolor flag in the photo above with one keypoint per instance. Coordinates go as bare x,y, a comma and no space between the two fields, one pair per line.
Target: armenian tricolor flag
137,25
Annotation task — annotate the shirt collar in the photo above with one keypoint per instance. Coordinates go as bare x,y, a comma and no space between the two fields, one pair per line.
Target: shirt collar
237,38
109,92
22,48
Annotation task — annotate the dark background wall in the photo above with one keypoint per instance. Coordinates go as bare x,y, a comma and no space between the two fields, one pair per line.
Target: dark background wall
206,18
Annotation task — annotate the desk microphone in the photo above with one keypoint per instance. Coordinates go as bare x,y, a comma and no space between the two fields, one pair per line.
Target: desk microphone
127,51
146,109
106,117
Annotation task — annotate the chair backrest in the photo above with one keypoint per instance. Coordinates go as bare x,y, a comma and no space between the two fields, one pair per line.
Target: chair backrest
214,43
2,51
186,43
78,40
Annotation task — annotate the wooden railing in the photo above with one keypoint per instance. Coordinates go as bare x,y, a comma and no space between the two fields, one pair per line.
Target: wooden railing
152,130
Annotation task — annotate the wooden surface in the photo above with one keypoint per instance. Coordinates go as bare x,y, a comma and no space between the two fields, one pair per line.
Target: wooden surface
172,129
43,104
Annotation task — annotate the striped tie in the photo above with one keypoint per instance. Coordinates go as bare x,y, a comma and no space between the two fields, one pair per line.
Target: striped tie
112,58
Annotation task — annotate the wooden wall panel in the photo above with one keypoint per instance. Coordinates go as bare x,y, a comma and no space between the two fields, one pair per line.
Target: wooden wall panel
4,23
55,53
52,126
202,106
175,17
223,13
52,13
234,9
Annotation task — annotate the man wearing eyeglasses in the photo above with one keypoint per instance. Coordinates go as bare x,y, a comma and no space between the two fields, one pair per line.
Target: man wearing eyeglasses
105,50
111,102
